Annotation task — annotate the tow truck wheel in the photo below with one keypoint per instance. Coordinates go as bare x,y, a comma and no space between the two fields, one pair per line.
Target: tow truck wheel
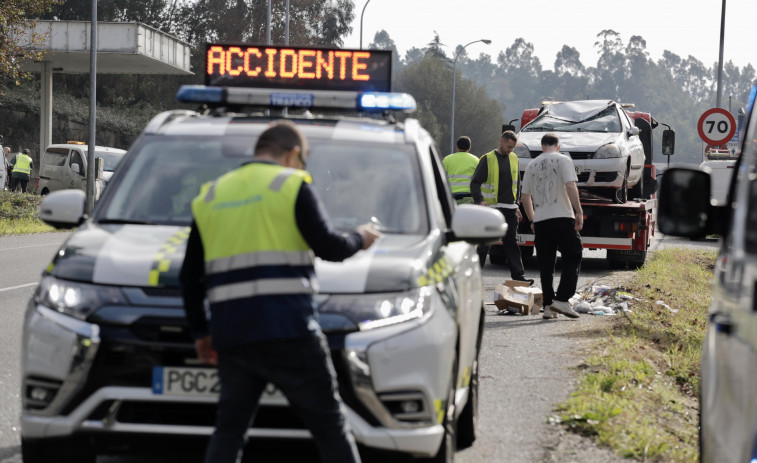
526,252
44,452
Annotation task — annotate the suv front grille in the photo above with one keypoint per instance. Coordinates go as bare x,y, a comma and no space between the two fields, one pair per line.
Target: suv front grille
572,154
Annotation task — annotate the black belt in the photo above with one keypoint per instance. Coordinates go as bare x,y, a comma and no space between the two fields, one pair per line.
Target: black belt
461,195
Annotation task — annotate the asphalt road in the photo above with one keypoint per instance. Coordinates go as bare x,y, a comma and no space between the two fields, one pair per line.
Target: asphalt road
527,363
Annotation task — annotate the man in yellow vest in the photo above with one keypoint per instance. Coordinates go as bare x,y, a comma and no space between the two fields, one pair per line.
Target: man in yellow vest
250,253
22,170
460,167
496,183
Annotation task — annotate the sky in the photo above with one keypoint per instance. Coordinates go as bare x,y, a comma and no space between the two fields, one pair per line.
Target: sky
685,27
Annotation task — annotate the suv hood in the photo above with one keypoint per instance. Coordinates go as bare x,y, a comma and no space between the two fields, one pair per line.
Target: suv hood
151,255
569,141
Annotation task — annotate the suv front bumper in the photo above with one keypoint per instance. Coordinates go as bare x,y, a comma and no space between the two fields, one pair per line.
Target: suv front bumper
104,388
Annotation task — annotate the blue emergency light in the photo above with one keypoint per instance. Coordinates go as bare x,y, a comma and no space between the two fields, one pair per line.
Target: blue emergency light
278,98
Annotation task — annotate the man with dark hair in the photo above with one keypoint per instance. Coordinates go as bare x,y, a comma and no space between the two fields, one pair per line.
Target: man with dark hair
250,253
460,167
551,201
22,170
496,183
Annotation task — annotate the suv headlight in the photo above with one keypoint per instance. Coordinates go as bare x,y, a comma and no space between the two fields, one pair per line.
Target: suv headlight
370,311
76,299
608,151
521,150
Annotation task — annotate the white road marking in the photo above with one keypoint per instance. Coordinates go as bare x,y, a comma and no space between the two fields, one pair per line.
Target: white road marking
11,288
33,246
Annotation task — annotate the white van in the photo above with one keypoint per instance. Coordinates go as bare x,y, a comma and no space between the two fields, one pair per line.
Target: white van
64,166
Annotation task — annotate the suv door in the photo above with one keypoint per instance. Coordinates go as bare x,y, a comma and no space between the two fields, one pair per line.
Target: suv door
53,172
729,357
77,178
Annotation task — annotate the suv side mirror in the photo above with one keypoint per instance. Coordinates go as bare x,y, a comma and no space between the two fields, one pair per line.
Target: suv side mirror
668,142
633,131
76,168
63,208
684,203
477,224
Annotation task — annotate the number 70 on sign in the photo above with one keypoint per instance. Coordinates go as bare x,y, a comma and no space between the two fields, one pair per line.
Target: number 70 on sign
716,126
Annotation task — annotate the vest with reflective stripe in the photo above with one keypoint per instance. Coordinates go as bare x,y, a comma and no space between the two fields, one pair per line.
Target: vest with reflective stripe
250,237
23,164
490,189
460,167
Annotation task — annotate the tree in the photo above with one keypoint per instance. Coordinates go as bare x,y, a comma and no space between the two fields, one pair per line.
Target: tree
15,17
477,115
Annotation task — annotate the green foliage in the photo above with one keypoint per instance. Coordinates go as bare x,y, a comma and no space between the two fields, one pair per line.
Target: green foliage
15,16
638,392
477,115
18,214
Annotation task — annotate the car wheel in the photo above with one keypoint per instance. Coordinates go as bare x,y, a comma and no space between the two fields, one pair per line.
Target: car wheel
44,452
467,425
448,447
621,196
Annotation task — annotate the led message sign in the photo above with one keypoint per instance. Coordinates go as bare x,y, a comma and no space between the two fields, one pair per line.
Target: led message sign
237,65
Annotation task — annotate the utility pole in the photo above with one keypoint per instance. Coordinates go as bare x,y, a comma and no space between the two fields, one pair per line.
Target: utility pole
720,59
89,204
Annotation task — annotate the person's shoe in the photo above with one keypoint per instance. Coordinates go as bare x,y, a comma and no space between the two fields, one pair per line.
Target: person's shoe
564,308
548,314
530,281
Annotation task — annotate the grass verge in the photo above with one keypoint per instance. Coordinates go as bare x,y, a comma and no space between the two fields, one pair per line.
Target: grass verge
18,214
638,393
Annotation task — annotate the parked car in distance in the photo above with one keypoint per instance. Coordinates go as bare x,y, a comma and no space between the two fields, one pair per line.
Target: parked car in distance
721,170
598,135
64,166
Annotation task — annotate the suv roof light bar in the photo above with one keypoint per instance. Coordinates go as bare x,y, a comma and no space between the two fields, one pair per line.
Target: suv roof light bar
323,99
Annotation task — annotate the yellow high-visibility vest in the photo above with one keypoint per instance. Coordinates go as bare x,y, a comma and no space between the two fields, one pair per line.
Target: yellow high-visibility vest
490,189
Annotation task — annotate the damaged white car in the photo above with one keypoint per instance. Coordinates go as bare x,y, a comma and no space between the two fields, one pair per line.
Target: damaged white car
598,135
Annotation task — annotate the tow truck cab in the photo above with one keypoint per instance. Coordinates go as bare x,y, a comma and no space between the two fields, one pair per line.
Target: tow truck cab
728,398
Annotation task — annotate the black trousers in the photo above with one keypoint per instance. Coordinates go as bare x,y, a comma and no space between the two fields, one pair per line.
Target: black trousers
22,182
554,235
510,245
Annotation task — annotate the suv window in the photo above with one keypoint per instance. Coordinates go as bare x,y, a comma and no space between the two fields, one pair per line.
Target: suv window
749,157
356,181
606,120
56,156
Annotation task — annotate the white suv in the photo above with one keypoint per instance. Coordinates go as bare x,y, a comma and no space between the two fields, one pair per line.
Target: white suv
404,319
600,138
728,397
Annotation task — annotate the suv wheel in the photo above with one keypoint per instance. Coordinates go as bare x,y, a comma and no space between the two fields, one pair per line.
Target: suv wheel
467,426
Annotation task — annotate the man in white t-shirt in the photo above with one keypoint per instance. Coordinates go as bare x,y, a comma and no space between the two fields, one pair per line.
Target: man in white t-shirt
550,199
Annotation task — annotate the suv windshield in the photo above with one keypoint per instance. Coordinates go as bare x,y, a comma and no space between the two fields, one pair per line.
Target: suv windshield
604,121
358,182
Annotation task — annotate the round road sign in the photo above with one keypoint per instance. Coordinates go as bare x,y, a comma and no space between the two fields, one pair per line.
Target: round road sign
716,126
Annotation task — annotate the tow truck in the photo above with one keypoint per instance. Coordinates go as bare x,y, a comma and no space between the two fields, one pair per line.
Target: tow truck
626,230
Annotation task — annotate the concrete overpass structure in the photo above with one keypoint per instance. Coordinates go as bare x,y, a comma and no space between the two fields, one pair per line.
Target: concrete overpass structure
122,48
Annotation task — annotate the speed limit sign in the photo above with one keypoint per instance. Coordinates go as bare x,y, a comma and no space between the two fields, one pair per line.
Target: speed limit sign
716,126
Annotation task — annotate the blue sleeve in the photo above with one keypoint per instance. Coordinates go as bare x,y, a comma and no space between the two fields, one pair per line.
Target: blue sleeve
313,222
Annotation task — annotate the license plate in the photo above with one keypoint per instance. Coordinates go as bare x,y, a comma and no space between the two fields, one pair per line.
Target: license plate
198,382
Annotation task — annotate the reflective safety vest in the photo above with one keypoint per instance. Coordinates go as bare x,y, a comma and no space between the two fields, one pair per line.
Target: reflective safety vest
252,245
23,164
490,189
460,167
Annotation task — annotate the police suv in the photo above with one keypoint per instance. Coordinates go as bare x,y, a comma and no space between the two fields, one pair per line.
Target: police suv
728,397
108,362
